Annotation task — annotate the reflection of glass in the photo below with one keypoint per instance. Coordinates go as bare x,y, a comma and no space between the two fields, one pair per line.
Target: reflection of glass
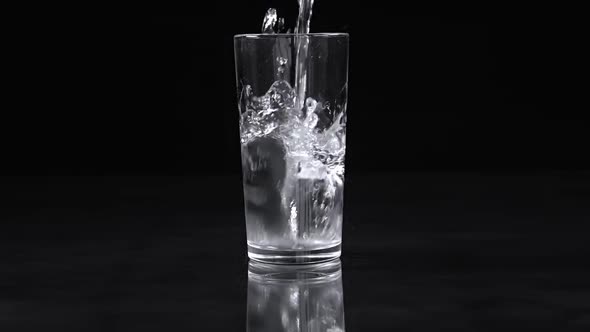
295,298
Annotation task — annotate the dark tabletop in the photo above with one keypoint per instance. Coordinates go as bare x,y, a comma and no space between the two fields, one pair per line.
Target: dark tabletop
421,252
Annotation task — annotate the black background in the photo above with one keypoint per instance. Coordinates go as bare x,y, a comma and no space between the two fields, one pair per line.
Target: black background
467,193
109,93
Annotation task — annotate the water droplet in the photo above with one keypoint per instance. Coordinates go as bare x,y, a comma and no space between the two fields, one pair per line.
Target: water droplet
270,21
280,25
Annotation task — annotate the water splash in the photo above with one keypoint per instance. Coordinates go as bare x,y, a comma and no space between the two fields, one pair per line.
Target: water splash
305,186
272,23
313,158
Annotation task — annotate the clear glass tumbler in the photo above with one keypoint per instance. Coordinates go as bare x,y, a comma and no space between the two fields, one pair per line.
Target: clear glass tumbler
292,92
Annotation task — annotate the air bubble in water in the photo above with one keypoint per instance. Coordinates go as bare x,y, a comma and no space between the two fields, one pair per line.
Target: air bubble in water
310,105
282,66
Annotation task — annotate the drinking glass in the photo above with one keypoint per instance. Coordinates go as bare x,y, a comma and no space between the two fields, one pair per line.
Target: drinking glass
292,91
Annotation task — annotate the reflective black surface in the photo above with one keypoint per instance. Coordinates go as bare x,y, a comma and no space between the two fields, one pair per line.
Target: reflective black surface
422,252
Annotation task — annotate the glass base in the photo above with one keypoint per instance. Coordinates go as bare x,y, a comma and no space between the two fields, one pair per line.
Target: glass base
276,256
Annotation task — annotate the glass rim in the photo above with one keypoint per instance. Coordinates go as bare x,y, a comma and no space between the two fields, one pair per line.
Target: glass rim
285,35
